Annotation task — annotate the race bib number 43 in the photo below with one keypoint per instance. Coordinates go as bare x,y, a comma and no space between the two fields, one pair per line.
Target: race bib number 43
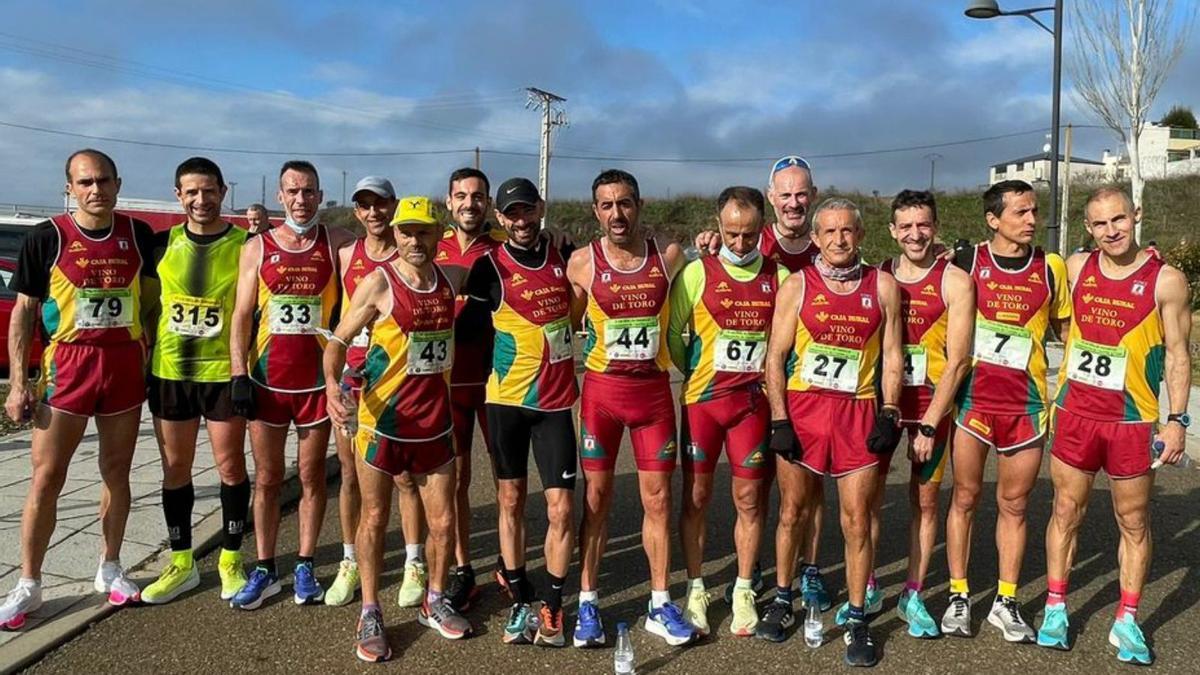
1098,365
429,352
740,351
916,364
103,308
833,368
194,317
558,340
293,314
1003,345
634,339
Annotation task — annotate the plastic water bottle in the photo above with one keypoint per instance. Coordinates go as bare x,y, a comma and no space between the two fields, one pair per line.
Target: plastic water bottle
1157,448
623,654
351,404
814,630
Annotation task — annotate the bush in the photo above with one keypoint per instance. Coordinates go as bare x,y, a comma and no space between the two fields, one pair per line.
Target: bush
1186,256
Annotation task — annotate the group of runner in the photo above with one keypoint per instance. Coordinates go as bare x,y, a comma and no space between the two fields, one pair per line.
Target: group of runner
798,357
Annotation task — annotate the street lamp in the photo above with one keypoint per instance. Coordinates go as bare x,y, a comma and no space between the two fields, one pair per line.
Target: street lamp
990,9
232,196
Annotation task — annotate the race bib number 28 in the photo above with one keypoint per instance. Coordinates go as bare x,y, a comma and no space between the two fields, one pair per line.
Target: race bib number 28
103,308
1098,365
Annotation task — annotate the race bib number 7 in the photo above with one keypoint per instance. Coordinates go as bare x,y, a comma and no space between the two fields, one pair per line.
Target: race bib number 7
1097,365
834,368
103,308
1003,345
558,340
429,352
293,314
740,351
634,339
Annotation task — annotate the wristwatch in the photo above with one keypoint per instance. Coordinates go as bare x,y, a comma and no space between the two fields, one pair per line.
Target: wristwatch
1184,419
927,430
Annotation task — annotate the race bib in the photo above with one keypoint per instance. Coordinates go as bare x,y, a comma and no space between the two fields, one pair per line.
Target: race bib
429,352
190,316
1003,345
293,314
363,339
633,339
915,365
558,340
833,368
103,308
1098,365
740,351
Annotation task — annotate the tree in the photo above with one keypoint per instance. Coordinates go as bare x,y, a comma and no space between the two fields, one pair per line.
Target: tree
1124,50
1180,117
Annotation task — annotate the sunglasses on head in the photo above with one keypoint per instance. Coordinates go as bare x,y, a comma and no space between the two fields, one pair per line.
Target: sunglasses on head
790,160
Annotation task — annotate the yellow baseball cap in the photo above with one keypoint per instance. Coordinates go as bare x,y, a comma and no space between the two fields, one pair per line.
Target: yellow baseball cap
414,210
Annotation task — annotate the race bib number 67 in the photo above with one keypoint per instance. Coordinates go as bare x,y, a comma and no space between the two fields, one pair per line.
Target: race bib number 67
740,351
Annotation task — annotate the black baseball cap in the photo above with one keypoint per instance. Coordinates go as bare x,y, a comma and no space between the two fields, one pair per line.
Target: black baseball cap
516,191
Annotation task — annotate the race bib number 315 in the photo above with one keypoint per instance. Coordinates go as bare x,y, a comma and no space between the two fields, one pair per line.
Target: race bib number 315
1098,365
833,368
293,314
1003,345
194,317
634,339
103,308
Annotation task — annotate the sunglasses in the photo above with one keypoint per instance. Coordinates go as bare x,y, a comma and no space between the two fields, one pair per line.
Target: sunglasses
790,160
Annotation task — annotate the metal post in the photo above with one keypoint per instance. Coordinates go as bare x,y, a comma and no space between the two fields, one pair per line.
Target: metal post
343,203
1063,239
264,191
1052,228
552,116
933,157
477,158
232,196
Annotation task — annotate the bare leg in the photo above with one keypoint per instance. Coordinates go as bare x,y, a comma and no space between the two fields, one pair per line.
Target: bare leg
412,514
375,489
511,502
118,435
314,443
594,528
1131,504
655,489
697,494
349,501
437,498
1016,476
266,444
560,506
970,455
1072,488
747,531
56,435
855,492
795,482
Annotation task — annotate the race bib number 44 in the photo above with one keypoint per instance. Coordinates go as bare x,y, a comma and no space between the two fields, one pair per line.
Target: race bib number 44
429,352
190,316
293,314
1097,365
103,308
1003,345
833,368
634,339
558,340
740,351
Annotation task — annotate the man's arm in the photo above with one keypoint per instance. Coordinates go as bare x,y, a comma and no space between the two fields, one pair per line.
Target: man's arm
1060,307
782,342
892,343
684,291
1172,297
364,307
244,305
579,273
673,256
960,327
21,326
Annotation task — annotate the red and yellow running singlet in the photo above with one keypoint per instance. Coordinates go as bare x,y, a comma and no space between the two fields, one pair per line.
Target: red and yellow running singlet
1115,352
297,291
923,306
772,249
838,338
471,336
627,313
359,266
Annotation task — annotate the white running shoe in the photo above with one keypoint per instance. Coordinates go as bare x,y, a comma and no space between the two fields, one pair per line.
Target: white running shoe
21,601
111,579
1006,615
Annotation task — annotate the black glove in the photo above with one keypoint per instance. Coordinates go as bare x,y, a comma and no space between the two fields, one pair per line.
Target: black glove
783,441
241,395
886,435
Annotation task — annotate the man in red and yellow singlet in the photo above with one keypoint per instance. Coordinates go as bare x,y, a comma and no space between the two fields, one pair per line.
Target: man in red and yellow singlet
404,422
374,201
624,278
287,290
725,302
835,353
1128,334
1020,295
91,272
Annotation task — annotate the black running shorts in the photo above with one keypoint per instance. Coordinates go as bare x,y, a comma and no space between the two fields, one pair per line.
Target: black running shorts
177,401
512,429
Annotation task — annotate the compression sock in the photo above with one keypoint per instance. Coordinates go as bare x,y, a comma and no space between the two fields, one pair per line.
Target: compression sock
235,507
177,510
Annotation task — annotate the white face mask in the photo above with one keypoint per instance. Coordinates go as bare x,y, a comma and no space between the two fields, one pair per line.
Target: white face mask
301,228
732,258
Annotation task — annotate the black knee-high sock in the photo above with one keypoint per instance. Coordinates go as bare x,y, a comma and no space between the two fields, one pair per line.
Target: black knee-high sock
235,505
521,589
177,510
554,593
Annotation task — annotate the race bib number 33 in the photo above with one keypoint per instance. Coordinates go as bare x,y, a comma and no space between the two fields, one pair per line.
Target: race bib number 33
740,351
1098,365
1003,345
103,308
634,339
834,368
293,314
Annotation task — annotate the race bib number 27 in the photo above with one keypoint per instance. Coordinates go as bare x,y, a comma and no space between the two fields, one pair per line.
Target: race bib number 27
834,368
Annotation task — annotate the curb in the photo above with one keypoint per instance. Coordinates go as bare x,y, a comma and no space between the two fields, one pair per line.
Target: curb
79,617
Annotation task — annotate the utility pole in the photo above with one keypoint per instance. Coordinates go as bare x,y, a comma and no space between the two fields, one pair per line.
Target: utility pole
343,202
232,195
1066,197
264,191
933,157
552,116
477,158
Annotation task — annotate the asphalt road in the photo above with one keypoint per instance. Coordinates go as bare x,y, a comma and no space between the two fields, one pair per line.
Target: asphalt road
199,633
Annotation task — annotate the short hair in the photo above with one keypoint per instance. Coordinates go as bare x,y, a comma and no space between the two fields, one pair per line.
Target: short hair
614,176
469,172
301,166
993,198
745,197
256,207
836,204
907,199
201,166
1108,191
94,153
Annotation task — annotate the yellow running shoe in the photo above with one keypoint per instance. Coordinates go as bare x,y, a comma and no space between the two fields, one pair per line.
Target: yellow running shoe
412,590
745,614
177,578
342,590
697,609
233,577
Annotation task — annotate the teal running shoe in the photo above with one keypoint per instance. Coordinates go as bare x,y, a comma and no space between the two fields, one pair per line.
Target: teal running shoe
874,606
1053,631
911,610
1127,637
813,586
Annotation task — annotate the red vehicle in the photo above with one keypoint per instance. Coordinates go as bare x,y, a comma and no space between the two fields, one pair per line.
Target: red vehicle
8,299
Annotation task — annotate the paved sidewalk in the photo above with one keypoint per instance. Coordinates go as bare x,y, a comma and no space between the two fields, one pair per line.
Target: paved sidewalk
75,547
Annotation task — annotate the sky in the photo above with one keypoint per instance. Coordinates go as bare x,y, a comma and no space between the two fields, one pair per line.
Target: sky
689,95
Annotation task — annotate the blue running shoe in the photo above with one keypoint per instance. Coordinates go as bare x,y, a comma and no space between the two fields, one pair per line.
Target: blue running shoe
260,586
911,610
1053,631
308,589
668,623
813,586
874,606
589,630
1127,637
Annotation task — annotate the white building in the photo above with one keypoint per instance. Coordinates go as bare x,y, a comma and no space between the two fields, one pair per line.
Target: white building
1036,169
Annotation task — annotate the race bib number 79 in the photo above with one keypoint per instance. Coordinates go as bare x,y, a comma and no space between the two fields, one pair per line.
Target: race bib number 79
103,308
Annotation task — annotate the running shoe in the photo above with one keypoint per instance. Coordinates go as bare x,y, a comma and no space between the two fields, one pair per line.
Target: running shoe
667,622
307,589
1131,646
957,619
260,586
745,614
813,586
416,581
860,648
756,583
462,591
874,606
776,619
370,640
550,628
341,592
1053,631
233,575
518,629
697,609
1006,615
177,578
111,579
589,629
442,617
911,610
20,602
